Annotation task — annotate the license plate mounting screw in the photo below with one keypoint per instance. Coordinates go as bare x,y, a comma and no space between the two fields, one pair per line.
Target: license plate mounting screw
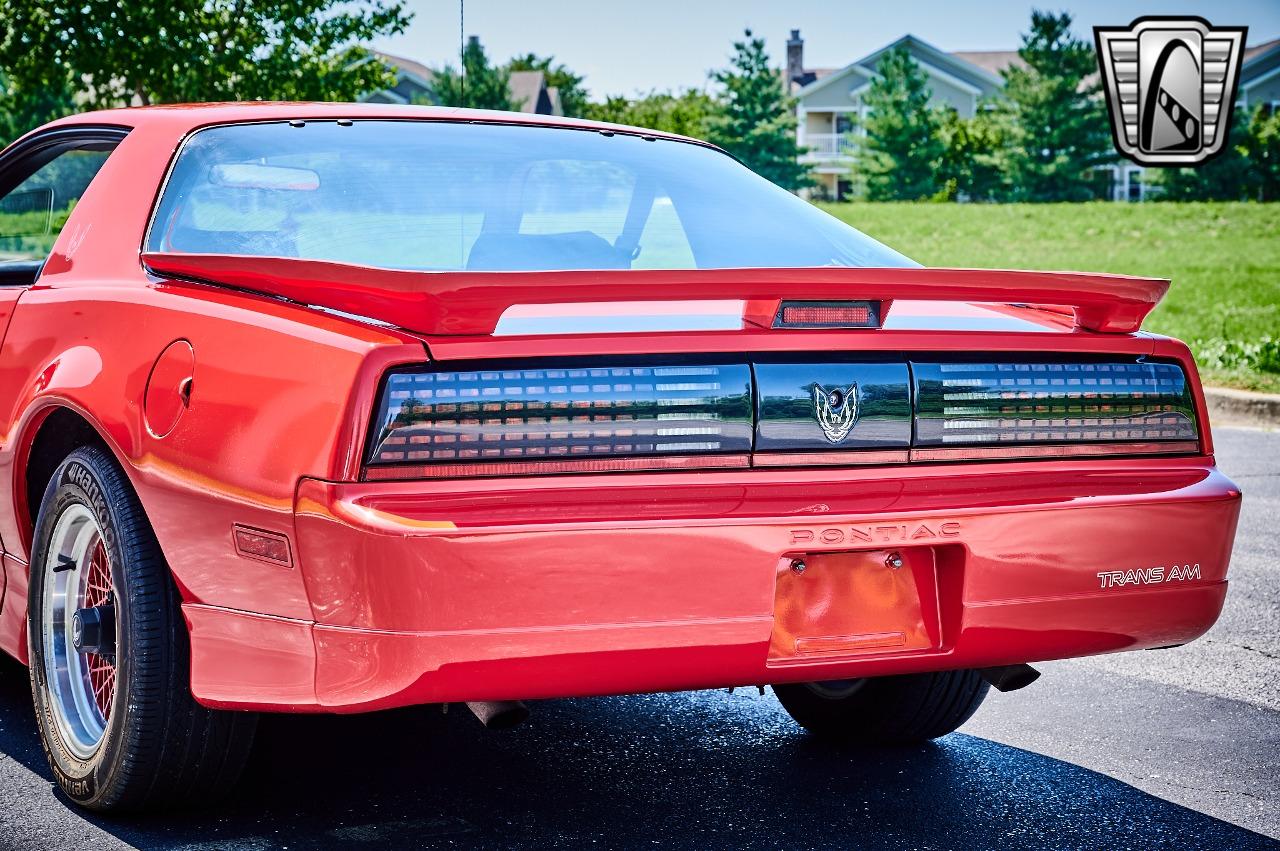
798,565
893,561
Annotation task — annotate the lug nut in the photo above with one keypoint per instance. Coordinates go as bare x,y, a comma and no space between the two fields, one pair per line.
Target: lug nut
798,565
893,561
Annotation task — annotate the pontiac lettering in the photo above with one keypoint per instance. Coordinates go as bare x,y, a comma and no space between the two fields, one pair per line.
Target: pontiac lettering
885,533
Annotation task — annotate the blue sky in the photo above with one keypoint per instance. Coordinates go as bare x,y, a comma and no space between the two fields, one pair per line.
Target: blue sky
625,47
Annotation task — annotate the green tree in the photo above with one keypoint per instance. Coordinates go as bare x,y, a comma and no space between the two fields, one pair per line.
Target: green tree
1229,176
195,50
757,121
573,97
688,113
970,165
1058,122
23,109
903,150
1262,146
484,86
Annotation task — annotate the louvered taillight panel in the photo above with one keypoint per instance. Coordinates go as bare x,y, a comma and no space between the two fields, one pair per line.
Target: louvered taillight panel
974,404
790,410
552,413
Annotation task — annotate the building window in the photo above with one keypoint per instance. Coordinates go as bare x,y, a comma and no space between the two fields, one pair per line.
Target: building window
1133,184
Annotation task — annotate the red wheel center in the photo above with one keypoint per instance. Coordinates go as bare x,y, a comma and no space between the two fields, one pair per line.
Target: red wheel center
98,592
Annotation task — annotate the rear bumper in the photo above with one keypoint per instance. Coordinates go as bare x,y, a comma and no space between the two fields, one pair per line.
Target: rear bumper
447,591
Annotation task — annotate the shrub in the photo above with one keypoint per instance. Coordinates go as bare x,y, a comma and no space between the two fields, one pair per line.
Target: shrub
1262,355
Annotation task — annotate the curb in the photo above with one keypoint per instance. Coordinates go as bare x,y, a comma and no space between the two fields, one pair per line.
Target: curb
1242,408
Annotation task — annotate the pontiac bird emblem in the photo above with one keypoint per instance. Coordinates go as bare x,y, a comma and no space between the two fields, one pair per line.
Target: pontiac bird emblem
836,410
1170,86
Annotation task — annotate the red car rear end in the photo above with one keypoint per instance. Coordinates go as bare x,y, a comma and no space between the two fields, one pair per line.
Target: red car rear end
396,407
945,484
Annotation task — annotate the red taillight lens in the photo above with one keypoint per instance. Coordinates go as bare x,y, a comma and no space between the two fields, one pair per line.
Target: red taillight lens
555,415
843,314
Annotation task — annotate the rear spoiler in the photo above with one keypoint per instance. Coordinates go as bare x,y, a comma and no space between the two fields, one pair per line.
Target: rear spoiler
471,303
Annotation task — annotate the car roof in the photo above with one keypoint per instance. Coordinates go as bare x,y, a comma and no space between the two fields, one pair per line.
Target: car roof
186,117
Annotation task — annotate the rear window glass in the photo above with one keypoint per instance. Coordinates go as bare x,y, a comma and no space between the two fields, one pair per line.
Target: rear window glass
441,196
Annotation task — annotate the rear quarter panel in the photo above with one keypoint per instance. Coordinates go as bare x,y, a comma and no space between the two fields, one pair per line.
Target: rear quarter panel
272,400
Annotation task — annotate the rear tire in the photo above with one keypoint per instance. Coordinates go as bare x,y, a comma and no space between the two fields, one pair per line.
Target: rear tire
113,703
897,710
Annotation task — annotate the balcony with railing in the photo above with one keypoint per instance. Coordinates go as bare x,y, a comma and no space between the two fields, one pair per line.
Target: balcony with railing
830,146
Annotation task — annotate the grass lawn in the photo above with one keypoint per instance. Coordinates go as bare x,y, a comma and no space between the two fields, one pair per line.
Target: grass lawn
1223,259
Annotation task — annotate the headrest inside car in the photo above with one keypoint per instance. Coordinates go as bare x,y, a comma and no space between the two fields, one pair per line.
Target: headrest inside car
544,252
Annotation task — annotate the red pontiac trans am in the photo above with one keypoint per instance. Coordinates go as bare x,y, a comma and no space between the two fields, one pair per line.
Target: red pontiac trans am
333,408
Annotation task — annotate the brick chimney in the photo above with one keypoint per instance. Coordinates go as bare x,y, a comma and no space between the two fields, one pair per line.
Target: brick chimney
795,57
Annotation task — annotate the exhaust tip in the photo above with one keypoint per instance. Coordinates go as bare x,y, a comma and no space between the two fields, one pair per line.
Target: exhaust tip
1010,677
499,714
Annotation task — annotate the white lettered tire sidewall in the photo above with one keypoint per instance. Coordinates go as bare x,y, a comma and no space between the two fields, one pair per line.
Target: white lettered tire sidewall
77,481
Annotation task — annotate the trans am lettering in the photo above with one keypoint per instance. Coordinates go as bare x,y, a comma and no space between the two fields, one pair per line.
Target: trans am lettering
1149,575
886,533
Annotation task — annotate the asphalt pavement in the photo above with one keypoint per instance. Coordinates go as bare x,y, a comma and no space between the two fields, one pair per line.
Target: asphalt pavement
1175,749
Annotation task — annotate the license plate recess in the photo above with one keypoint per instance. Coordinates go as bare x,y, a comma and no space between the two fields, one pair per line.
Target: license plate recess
855,604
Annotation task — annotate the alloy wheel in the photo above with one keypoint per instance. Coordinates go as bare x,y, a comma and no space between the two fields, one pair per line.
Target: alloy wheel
79,630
